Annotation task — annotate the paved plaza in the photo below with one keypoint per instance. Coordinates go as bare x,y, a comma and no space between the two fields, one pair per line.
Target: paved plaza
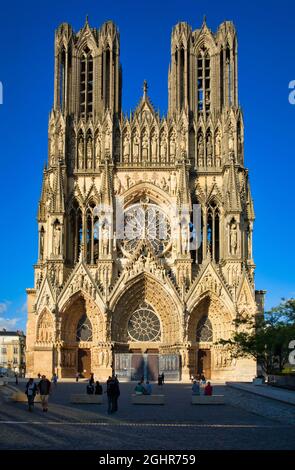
176,425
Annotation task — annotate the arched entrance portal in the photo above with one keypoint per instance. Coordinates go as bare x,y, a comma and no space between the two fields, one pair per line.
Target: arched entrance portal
146,330
82,328
209,321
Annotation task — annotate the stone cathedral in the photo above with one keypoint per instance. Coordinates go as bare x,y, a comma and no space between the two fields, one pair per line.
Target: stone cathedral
145,221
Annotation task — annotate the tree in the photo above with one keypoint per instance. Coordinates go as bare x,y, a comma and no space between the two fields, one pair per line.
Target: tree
264,338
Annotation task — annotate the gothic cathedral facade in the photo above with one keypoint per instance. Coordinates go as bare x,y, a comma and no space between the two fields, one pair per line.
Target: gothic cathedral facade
145,222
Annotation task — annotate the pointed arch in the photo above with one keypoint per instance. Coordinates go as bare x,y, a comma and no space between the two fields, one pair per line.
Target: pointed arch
146,288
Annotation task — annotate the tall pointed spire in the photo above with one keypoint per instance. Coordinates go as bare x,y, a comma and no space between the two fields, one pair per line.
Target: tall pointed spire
42,202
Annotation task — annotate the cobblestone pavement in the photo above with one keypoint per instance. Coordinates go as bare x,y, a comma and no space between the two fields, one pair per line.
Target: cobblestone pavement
176,425
263,406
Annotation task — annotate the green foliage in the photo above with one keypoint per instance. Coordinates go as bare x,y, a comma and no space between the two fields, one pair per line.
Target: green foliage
265,338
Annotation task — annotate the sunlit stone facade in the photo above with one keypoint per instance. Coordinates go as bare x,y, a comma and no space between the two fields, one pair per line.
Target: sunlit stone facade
145,222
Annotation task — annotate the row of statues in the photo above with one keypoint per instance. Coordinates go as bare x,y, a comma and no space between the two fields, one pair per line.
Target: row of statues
87,152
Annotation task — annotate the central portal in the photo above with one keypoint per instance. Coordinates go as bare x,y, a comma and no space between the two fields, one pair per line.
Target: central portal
204,362
137,366
84,362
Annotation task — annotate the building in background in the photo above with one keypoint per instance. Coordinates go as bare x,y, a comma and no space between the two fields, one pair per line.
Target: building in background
12,351
127,279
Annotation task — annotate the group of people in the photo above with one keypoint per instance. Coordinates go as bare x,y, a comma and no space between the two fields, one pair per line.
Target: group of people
199,383
112,391
43,388
143,388
94,389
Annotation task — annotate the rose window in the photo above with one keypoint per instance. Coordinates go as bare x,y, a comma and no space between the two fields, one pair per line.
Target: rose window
144,325
146,222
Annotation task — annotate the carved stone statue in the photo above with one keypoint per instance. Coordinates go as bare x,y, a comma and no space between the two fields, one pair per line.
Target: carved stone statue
56,239
105,239
60,143
209,150
200,151
126,148
89,153
107,142
97,151
233,239
172,149
218,149
135,148
145,147
80,153
154,148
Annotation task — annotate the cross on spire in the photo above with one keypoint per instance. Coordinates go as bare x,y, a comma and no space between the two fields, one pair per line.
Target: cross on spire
145,87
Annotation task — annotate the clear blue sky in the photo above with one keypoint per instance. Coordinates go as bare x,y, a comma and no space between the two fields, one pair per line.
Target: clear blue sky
266,31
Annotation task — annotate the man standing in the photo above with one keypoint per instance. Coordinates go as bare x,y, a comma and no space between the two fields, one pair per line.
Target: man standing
44,387
113,392
31,390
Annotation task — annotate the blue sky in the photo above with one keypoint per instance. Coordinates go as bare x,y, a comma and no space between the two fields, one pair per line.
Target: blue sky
266,66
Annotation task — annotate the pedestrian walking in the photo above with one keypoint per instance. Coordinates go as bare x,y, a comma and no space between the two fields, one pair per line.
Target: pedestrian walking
44,388
16,378
163,377
77,377
54,379
31,391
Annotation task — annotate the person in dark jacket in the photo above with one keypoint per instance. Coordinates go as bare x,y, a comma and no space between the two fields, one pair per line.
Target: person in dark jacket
31,391
44,387
113,393
98,389
91,380
90,389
